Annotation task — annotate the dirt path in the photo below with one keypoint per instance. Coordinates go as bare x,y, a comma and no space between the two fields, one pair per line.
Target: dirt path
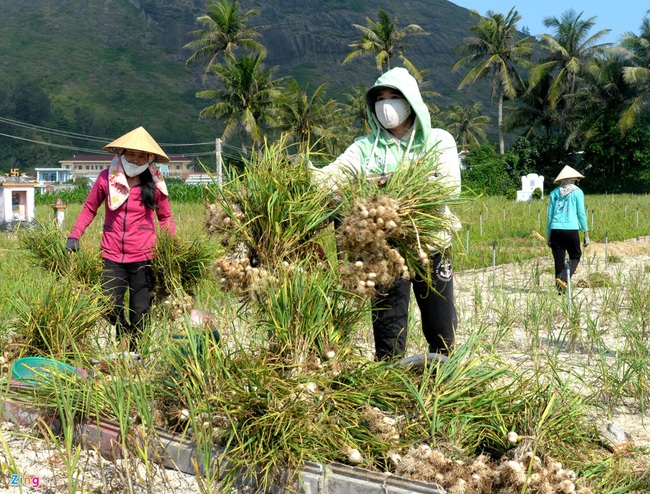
513,282
631,247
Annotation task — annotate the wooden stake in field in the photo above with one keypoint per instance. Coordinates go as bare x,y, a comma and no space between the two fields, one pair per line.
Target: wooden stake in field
494,262
568,284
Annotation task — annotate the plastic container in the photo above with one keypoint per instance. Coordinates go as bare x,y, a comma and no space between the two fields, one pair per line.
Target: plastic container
34,369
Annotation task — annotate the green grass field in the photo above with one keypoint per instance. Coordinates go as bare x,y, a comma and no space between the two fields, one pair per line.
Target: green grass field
488,223
528,363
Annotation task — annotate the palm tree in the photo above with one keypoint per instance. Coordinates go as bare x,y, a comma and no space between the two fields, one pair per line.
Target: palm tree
532,111
302,117
495,50
570,53
384,40
467,125
428,95
356,108
605,94
638,73
224,30
246,99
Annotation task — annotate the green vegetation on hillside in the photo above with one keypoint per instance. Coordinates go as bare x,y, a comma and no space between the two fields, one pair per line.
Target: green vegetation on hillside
562,97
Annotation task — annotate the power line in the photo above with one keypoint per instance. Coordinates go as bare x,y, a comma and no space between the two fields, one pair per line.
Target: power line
169,144
76,135
52,144
47,130
225,144
96,151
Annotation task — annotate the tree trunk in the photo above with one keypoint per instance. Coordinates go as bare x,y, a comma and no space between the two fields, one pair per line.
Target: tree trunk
502,147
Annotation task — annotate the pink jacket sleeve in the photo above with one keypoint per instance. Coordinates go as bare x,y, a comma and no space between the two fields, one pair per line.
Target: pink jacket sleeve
164,213
95,198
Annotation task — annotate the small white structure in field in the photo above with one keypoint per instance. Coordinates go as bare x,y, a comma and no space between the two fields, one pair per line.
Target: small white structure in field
16,200
59,212
529,183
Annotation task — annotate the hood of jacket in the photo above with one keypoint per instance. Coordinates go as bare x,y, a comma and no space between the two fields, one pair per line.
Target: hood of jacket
400,79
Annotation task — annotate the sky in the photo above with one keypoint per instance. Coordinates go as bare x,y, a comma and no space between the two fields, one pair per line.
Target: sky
620,16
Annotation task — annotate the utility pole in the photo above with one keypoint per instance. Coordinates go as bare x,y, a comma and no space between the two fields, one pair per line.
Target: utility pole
219,163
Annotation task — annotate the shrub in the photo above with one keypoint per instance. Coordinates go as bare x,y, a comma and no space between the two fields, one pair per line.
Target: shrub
537,193
511,194
488,172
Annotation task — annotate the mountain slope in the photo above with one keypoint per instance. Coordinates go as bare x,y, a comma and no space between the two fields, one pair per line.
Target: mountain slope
314,35
109,65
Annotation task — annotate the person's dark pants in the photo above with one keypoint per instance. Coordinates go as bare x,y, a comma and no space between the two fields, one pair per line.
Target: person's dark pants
563,242
437,309
137,279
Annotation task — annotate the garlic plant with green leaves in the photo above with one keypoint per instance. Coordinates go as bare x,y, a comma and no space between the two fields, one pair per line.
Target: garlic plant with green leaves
179,264
275,223
55,317
304,313
269,215
45,244
274,219
364,236
390,224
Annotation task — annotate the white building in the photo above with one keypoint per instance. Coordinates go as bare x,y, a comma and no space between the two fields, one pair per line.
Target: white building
16,200
48,176
90,166
529,183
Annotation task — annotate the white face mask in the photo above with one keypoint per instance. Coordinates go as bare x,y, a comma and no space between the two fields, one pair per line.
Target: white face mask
392,112
131,169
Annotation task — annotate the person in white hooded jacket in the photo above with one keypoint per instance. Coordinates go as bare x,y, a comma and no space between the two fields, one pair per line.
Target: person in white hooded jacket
401,130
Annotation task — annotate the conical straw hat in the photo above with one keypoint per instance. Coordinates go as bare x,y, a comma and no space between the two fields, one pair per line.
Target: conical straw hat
568,173
138,140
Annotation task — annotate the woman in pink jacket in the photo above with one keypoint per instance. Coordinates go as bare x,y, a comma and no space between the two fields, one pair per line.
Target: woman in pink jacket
133,191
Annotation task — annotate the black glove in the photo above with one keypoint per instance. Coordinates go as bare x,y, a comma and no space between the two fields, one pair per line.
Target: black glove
548,240
72,244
